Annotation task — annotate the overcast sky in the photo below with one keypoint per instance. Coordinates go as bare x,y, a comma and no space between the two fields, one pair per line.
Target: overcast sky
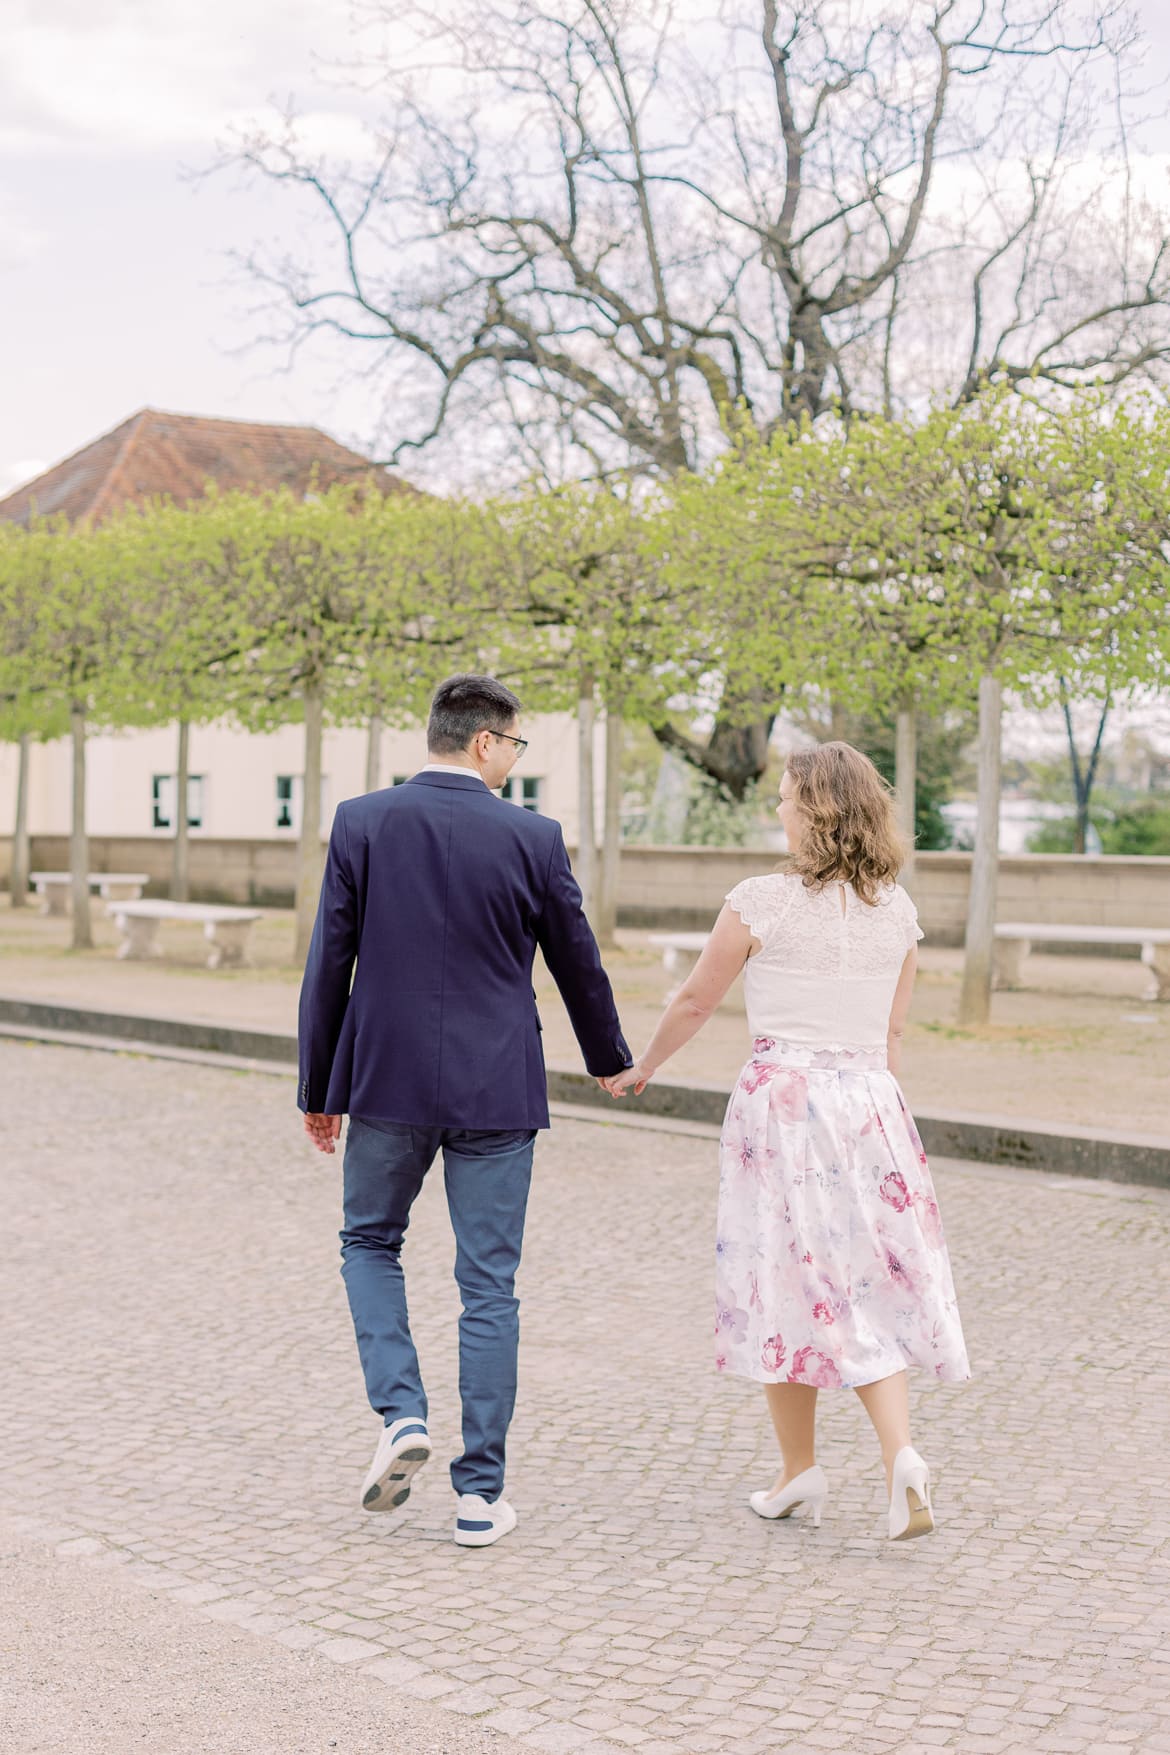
115,284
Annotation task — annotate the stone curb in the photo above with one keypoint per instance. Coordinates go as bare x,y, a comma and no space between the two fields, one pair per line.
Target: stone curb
1134,1158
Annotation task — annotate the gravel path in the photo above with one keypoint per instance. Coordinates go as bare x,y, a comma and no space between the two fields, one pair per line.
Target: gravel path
1079,1045
93,1663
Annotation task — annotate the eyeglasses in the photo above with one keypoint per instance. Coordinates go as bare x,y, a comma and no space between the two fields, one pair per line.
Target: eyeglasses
520,742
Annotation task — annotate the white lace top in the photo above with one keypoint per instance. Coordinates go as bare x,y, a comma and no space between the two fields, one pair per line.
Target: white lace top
824,977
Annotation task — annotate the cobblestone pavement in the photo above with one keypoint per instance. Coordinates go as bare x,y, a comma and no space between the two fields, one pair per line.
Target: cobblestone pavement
180,1387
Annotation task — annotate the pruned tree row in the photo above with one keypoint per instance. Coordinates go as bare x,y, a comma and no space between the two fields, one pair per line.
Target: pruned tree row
893,566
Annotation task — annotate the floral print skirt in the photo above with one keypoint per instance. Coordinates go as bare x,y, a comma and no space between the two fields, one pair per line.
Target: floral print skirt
831,1265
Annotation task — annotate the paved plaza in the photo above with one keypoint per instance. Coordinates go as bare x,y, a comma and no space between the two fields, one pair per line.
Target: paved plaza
185,1417
1080,1047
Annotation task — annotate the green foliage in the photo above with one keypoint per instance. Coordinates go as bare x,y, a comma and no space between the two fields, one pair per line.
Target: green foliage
1139,827
581,592
1130,826
715,820
884,563
881,564
1056,835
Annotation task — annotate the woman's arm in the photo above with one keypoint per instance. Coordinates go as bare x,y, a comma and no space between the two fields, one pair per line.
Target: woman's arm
900,1010
725,953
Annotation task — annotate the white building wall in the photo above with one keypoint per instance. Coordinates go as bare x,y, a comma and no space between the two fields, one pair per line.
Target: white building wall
240,772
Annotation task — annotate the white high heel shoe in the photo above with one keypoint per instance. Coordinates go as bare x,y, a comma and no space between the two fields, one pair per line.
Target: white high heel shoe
811,1486
910,1509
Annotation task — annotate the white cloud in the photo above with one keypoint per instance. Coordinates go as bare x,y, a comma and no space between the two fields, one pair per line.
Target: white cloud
21,241
131,73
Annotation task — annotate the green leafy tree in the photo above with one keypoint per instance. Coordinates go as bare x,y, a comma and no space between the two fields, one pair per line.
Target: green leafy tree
177,570
1043,536
351,604
593,621
26,715
891,567
816,558
75,651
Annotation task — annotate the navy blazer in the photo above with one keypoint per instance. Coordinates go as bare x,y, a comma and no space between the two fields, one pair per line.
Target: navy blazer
441,892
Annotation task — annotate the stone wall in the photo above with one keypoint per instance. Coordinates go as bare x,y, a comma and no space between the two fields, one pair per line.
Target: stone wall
262,873
683,887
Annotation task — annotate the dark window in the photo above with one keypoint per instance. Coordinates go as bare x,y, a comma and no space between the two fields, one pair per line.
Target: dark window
524,792
162,801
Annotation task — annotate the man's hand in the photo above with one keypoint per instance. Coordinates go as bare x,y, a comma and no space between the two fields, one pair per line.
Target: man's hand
323,1130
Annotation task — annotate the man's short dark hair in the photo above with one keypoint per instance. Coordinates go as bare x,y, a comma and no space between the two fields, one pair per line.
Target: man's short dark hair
464,705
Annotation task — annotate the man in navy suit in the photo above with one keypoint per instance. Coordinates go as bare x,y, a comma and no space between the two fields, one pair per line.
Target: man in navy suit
441,893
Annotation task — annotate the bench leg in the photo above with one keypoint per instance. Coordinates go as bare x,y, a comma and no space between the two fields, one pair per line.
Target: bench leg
1009,962
119,893
227,942
678,964
1157,960
55,898
139,937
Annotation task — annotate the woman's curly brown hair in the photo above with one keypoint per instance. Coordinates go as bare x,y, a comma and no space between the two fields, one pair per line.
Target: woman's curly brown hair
850,835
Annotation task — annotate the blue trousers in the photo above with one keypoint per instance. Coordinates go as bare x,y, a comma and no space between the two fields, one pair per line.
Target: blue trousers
487,1176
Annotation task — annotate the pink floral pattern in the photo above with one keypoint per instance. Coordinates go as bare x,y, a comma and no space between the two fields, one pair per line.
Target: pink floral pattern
831,1267
810,1366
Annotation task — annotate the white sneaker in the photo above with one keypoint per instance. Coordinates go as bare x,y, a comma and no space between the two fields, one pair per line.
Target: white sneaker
478,1524
403,1448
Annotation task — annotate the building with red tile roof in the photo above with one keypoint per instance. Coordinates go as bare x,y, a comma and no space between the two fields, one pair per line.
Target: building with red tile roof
174,456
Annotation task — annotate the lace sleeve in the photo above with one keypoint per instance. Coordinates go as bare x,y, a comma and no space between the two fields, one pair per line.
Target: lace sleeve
760,903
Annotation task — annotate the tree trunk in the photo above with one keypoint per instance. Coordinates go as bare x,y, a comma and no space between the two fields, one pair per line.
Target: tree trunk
310,854
611,842
975,995
18,881
586,868
905,781
79,841
735,755
1082,778
181,873
374,753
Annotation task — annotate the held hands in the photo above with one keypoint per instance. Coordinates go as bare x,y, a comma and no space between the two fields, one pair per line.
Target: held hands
635,1077
323,1130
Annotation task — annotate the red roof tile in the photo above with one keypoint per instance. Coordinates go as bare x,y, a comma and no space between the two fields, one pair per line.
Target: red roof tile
175,455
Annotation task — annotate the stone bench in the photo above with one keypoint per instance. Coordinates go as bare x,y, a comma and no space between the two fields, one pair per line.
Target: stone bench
1014,939
680,952
226,929
55,888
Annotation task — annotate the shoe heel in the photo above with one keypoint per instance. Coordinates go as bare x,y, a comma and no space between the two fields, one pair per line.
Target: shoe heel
815,1506
911,1513
921,1517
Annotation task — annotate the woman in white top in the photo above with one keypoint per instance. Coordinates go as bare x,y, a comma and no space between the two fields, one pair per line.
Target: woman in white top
831,1266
